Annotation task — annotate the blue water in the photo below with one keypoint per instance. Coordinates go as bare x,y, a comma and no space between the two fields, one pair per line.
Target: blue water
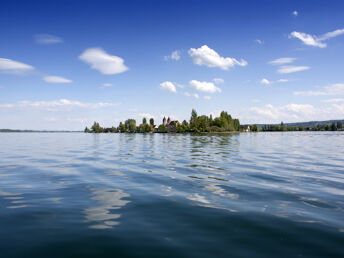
121,195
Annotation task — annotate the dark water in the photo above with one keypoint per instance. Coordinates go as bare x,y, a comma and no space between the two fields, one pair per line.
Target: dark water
111,195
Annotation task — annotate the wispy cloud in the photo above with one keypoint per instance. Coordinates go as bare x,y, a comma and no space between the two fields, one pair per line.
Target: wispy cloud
170,86
175,55
46,39
207,97
292,69
338,100
56,79
106,85
312,40
218,80
258,41
282,61
56,104
103,62
333,89
268,82
289,111
14,67
208,87
209,57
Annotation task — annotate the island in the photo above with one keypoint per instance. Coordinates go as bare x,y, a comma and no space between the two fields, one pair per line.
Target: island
196,124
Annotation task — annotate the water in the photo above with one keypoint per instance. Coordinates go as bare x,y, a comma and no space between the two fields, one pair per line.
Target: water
119,195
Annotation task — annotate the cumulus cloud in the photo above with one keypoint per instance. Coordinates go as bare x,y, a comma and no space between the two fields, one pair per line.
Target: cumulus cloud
333,89
103,62
218,80
47,39
208,87
14,67
312,40
282,61
56,79
209,57
196,96
295,13
170,86
292,69
55,104
175,55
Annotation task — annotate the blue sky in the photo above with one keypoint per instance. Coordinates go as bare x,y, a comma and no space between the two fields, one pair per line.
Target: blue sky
65,64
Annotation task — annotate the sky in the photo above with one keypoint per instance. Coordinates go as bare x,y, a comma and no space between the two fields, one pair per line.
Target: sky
65,64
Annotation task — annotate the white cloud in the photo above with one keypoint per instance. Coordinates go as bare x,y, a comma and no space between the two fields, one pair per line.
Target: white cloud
315,41
196,96
292,69
187,94
282,80
260,42
175,55
56,104
283,60
207,97
295,13
106,85
333,100
103,62
218,80
265,81
168,86
56,79
290,111
333,89
14,67
294,113
209,57
146,115
47,39
204,86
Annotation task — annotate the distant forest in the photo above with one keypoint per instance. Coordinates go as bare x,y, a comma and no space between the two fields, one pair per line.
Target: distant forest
329,125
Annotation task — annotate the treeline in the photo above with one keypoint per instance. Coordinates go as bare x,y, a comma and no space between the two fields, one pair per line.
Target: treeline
279,128
223,123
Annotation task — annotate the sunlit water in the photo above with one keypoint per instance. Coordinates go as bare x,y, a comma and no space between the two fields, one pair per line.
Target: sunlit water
121,195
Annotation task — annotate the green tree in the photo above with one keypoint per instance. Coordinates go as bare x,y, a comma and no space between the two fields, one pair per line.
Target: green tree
162,128
96,128
333,127
144,121
122,127
254,128
87,130
339,125
130,125
151,122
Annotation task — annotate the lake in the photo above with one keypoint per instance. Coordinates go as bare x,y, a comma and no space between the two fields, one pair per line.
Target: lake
278,194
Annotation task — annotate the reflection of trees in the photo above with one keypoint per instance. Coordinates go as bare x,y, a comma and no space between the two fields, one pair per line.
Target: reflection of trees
109,199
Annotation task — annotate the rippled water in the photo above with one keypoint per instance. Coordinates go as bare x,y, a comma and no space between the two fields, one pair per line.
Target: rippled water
121,195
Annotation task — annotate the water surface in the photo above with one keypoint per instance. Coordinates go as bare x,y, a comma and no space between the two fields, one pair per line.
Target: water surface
162,195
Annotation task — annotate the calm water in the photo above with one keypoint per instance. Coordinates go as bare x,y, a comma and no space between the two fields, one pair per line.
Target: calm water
111,195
